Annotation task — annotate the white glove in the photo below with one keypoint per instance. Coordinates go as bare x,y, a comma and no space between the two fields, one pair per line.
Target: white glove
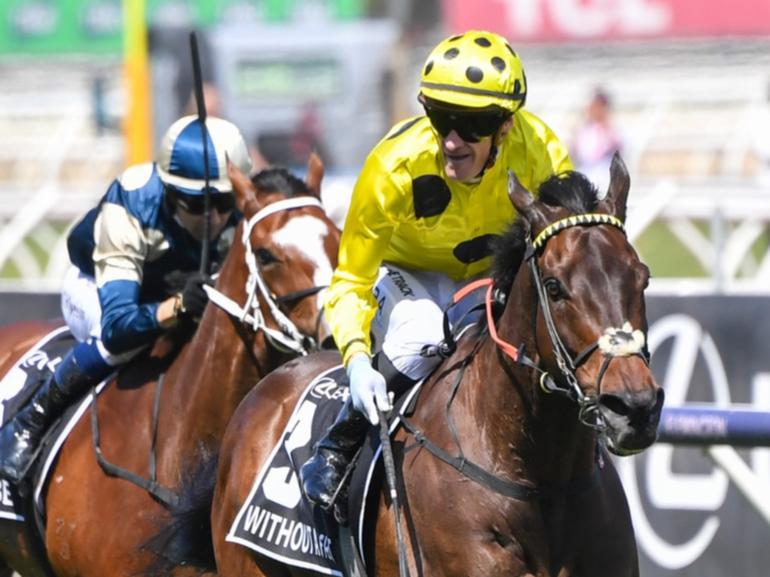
367,387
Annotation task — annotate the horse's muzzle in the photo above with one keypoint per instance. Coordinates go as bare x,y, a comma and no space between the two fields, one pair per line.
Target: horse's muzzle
631,419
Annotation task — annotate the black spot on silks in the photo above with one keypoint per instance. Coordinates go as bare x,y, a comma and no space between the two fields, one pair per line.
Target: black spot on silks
475,249
431,195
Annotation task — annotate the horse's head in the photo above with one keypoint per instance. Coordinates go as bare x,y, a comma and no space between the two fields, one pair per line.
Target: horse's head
591,324
290,247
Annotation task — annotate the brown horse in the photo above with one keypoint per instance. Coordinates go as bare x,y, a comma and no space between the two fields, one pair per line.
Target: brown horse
502,463
268,311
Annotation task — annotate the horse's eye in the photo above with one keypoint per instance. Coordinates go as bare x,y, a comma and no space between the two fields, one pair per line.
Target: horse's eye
555,290
265,257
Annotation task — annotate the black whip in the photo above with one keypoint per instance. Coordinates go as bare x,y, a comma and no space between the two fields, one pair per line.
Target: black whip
201,103
390,475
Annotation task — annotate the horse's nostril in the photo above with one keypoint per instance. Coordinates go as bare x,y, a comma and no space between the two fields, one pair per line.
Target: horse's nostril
615,404
641,409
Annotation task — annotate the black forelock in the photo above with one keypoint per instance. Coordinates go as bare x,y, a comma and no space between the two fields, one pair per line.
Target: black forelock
571,190
278,179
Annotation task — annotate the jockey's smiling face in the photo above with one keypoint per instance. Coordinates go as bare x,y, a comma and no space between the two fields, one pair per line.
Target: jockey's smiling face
464,160
466,138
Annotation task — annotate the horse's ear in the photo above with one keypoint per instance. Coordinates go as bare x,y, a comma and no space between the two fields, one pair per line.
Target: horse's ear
315,173
525,204
245,192
617,192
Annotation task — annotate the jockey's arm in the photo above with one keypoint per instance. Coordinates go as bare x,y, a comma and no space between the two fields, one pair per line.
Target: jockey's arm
350,304
119,256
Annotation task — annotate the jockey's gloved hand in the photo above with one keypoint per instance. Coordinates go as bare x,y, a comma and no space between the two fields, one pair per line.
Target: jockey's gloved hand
194,297
367,388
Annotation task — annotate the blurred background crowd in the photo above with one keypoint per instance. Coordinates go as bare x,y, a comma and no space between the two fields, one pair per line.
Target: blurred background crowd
88,86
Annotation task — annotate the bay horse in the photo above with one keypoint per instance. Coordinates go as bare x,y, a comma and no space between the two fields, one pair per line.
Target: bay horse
265,310
502,463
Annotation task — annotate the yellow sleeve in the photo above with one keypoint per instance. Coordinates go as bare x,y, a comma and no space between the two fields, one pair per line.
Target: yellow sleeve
350,304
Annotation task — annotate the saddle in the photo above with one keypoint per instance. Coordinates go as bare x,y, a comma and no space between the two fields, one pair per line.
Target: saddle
22,507
17,386
277,520
24,378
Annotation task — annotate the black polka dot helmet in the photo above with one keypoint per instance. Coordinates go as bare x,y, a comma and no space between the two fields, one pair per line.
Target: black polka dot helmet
476,69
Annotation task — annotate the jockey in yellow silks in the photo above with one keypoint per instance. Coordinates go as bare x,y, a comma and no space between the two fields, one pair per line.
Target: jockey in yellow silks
429,200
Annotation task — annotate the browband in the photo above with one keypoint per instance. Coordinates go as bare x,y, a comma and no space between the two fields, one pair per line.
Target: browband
574,220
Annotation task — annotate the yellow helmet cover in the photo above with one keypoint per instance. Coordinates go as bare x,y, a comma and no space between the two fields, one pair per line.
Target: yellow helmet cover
477,69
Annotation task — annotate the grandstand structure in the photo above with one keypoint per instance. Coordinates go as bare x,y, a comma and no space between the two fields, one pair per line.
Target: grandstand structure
691,114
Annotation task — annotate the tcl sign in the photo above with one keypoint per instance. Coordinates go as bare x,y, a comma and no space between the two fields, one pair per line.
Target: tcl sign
570,20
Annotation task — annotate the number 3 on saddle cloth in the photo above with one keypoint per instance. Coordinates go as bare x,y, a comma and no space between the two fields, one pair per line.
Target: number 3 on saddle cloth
16,387
277,520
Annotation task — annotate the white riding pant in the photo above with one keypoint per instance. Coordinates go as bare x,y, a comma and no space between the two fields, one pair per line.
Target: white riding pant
410,316
83,314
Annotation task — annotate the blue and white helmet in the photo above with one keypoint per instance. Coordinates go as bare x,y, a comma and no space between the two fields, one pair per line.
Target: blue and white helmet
180,161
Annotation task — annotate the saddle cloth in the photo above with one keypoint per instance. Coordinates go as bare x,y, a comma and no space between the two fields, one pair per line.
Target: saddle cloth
21,381
276,520
16,388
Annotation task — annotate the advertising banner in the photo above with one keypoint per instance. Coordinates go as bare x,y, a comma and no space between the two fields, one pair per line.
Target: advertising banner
96,26
689,516
589,20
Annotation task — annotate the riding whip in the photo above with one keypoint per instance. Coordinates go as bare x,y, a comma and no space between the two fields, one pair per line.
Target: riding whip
390,475
201,104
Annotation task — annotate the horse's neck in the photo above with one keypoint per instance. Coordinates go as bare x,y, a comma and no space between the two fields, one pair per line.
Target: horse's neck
219,365
545,440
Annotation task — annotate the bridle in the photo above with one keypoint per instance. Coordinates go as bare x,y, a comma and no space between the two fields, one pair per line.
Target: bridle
613,343
288,338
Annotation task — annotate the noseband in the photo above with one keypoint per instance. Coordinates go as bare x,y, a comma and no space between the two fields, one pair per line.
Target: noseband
614,343
288,338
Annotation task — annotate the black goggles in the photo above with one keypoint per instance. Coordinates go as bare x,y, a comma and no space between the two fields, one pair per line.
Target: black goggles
471,127
222,202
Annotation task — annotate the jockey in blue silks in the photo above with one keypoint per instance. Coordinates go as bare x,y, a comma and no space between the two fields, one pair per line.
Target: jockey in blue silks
135,260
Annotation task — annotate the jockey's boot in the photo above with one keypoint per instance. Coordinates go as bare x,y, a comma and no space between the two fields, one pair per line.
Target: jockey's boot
21,436
323,473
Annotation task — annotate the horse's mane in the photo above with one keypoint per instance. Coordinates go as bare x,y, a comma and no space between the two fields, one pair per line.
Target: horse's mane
278,179
570,190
